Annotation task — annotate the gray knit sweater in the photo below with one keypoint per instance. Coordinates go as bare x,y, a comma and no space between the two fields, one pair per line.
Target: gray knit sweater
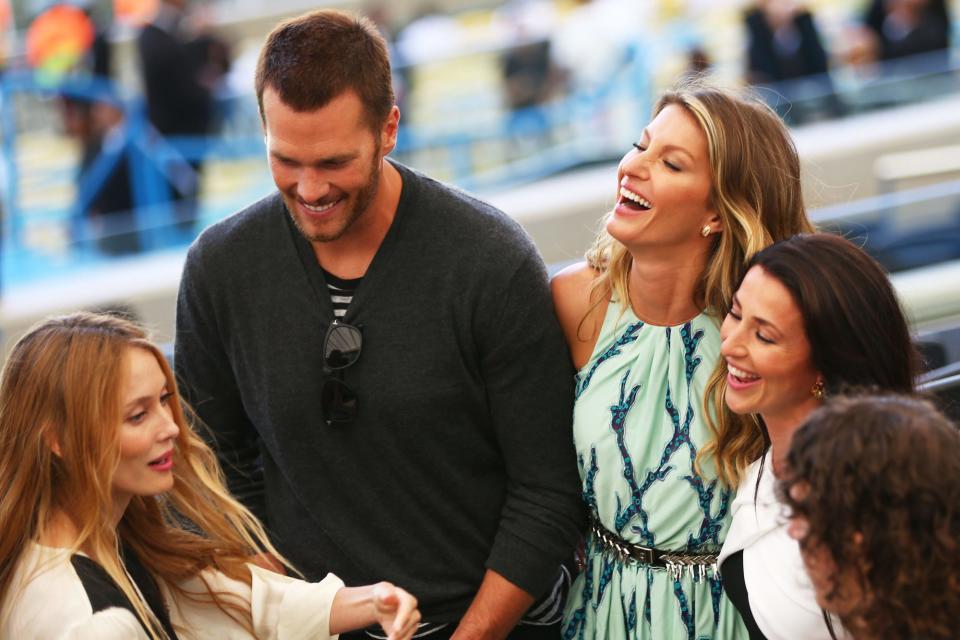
460,458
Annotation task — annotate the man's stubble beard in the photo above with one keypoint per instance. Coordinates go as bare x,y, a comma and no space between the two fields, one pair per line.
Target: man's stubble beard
364,198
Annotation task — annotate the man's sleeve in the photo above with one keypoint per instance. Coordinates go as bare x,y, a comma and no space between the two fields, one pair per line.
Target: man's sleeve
206,380
529,380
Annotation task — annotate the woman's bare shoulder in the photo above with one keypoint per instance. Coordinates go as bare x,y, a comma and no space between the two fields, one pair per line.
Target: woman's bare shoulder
574,281
579,315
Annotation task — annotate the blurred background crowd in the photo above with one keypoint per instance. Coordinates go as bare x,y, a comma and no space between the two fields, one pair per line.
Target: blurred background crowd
127,126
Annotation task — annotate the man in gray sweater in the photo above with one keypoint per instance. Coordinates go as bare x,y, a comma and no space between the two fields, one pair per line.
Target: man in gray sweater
377,357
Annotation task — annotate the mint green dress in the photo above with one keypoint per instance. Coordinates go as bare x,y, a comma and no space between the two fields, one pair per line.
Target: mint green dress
638,424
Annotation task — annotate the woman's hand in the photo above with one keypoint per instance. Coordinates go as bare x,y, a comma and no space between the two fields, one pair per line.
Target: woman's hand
391,607
395,610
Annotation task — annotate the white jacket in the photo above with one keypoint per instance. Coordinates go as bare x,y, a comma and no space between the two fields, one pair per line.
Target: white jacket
781,595
48,601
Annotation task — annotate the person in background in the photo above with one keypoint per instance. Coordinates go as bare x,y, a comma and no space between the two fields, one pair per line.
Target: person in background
898,31
814,315
908,27
783,42
872,485
377,357
94,116
180,72
116,522
713,179
785,52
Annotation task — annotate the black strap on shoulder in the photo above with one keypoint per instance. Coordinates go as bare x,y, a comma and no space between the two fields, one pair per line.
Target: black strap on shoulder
104,593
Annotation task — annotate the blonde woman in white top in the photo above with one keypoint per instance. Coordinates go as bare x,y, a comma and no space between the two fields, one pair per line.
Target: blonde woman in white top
116,521
813,315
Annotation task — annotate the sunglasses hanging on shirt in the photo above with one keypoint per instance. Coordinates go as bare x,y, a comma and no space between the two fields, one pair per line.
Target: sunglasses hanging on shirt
341,349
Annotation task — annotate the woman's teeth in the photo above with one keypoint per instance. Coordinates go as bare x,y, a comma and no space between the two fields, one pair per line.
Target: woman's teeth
635,198
741,375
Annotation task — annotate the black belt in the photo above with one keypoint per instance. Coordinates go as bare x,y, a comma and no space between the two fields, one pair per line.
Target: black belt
697,565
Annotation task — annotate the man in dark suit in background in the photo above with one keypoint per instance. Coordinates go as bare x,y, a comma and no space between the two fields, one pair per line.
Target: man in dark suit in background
178,85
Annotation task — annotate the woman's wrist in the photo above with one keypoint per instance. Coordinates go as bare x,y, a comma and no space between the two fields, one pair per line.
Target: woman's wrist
353,608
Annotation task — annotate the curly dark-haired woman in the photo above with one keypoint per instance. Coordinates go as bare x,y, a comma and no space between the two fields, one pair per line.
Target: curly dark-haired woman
873,484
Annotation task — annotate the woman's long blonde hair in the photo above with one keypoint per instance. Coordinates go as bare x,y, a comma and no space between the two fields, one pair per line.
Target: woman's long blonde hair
755,190
61,384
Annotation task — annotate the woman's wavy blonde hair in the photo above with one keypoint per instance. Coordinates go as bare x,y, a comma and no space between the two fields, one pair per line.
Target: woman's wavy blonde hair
62,384
755,190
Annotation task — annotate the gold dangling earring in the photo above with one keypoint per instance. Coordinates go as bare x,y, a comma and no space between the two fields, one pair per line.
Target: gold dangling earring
817,391
705,231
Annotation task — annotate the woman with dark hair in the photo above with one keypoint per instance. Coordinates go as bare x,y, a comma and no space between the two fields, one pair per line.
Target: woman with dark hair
812,316
873,486
116,523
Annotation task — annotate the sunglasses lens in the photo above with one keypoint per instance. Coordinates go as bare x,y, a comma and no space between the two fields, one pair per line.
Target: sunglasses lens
339,402
342,346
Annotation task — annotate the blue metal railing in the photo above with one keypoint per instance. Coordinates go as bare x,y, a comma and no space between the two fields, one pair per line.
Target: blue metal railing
151,159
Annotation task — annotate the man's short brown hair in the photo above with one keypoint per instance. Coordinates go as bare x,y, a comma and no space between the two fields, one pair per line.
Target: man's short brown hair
312,59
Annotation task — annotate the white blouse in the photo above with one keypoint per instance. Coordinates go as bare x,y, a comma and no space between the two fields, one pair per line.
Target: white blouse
781,596
47,601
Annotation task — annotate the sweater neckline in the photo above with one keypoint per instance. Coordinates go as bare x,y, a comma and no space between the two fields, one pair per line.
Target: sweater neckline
370,279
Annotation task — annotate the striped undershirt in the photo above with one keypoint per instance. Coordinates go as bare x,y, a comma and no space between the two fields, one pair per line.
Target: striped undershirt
341,292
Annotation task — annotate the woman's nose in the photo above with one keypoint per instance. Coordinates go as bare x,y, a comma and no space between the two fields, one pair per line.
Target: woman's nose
636,163
170,429
732,343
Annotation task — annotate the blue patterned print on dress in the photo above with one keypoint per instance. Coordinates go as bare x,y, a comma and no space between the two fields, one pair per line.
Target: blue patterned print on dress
576,627
686,611
673,414
681,436
589,495
606,573
646,599
628,336
710,525
618,420
630,613
716,592
690,344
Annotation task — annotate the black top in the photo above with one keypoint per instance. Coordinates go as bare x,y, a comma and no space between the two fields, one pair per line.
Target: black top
736,588
460,457
105,594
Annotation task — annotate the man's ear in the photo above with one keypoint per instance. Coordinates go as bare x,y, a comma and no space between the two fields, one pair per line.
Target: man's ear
388,133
